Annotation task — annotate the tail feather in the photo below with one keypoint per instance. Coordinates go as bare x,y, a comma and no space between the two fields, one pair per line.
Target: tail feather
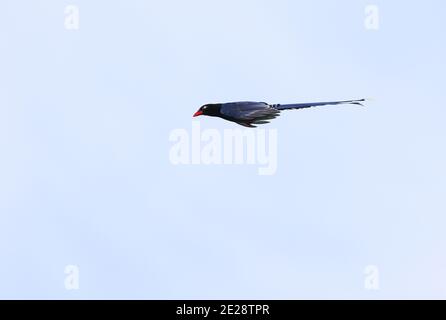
316,104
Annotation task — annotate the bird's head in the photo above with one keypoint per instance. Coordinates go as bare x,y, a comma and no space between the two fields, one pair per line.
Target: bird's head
211,110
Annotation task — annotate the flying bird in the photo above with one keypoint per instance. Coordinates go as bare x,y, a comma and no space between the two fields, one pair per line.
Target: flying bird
250,114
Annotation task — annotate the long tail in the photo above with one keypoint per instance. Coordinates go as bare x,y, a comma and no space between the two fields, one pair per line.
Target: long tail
315,104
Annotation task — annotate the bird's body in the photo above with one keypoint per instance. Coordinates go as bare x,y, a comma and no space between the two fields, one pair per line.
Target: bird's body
250,113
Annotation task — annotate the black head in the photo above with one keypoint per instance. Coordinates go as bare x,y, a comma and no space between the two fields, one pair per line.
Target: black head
212,110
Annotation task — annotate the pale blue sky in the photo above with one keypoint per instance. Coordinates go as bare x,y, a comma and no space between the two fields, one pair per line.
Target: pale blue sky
85,177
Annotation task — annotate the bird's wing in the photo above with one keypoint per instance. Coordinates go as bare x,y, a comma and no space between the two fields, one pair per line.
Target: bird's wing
315,104
255,112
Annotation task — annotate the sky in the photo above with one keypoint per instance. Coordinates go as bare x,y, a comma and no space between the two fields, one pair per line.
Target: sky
87,184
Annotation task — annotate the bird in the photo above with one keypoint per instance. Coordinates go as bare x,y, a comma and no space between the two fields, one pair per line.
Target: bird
251,114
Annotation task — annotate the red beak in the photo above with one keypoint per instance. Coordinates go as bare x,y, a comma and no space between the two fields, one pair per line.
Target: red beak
198,113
